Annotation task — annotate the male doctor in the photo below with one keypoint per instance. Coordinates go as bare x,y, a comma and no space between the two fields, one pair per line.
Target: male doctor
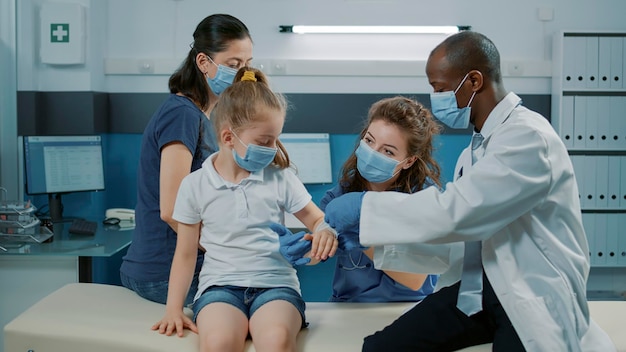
514,204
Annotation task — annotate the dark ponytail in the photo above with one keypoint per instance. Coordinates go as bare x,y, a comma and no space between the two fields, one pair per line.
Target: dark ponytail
212,35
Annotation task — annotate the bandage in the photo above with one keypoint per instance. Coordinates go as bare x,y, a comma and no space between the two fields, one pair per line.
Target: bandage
324,226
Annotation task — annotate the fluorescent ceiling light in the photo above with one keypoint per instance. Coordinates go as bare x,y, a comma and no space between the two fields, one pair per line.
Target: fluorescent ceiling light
373,29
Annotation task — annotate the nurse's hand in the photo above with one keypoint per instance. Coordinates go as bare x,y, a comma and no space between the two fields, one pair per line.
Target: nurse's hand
343,213
349,240
292,246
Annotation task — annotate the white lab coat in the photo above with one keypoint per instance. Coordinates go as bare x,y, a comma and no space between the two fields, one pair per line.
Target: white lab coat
422,258
521,200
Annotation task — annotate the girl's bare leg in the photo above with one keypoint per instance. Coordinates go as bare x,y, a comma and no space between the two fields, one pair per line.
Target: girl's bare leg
222,327
274,327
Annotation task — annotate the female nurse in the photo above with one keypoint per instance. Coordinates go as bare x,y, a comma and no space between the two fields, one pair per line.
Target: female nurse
394,154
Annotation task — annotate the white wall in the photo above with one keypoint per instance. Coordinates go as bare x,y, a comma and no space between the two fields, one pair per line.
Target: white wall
131,33
8,102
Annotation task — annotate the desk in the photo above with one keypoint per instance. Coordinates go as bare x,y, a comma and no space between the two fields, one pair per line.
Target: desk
33,271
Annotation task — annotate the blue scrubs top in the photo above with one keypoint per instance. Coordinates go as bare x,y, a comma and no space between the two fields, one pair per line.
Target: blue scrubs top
151,252
356,279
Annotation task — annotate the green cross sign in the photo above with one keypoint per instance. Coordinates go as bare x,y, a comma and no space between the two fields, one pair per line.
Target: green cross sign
59,32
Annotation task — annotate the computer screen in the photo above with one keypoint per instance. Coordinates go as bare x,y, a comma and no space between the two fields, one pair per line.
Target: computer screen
55,165
60,164
310,153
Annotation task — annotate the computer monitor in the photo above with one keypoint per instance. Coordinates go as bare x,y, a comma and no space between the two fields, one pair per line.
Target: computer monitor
55,165
310,153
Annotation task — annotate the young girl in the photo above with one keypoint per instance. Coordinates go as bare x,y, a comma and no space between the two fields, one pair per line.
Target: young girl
246,286
394,154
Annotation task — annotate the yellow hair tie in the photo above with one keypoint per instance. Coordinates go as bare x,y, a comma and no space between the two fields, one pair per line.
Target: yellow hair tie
248,76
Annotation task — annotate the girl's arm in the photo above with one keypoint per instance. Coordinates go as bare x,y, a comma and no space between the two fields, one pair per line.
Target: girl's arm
324,241
181,275
175,165
410,280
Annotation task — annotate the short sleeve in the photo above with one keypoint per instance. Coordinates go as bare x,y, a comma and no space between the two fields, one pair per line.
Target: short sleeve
296,195
179,124
186,208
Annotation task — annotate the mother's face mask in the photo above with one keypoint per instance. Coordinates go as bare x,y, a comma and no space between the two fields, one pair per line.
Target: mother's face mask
223,79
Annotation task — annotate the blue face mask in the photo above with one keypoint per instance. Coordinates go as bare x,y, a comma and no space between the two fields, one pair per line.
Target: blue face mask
257,157
374,166
445,108
224,77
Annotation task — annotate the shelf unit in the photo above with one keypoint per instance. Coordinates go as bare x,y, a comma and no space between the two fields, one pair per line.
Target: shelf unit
589,114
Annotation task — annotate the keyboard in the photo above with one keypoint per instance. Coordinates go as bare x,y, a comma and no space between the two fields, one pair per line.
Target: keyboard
83,227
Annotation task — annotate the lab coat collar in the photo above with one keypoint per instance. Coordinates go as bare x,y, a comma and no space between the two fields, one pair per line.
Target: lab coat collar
500,113
218,182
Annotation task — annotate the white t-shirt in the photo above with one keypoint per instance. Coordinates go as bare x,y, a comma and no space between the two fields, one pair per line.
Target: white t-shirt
241,249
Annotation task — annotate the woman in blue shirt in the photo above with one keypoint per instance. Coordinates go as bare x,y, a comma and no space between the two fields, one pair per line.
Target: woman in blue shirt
394,154
177,139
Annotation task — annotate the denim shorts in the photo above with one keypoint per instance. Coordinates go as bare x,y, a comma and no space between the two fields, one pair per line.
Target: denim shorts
249,299
156,291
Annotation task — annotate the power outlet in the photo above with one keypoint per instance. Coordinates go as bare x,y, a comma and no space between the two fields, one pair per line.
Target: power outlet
146,66
278,68
545,14
515,69
263,65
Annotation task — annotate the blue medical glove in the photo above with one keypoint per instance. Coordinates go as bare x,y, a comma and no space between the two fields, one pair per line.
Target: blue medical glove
343,213
292,247
349,240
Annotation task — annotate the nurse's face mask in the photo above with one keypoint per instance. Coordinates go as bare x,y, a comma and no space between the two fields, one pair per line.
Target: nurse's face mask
445,107
257,157
223,79
374,166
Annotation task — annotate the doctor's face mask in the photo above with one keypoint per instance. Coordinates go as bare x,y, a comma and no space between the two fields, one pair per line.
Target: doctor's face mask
445,107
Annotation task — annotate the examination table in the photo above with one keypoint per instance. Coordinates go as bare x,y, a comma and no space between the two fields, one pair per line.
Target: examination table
102,318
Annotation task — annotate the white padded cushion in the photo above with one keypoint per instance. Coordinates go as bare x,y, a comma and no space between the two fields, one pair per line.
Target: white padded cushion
102,318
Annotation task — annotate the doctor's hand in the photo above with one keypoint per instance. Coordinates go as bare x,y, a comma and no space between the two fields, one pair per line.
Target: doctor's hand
292,246
343,213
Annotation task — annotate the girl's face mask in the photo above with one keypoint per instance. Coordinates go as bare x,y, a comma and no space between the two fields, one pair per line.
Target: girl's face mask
257,157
